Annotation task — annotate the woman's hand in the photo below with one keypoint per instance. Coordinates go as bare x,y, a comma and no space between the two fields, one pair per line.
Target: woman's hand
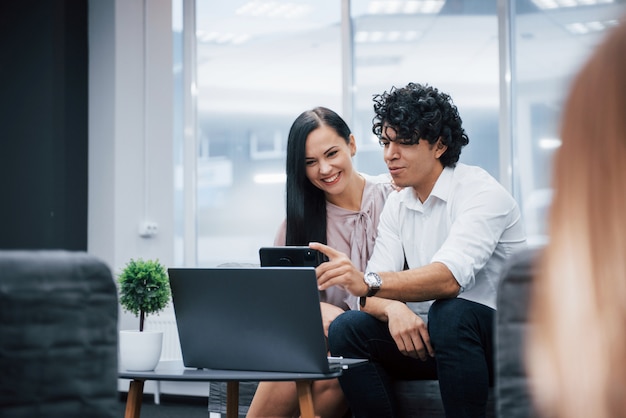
329,313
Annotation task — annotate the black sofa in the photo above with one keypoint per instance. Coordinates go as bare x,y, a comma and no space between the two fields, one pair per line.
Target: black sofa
509,398
513,399
58,335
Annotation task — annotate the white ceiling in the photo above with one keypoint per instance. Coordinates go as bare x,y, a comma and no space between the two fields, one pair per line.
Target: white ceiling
298,61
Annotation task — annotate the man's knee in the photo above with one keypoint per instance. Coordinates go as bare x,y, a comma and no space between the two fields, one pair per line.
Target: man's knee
344,322
445,318
347,331
451,321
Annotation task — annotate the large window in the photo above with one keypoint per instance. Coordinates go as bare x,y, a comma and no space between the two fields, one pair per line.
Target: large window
261,63
551,40
435,43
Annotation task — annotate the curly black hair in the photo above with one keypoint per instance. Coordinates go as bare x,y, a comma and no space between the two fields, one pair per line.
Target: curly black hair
421,112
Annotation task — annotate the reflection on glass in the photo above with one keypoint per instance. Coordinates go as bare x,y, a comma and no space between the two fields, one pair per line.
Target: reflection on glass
452,48
552,40
260,64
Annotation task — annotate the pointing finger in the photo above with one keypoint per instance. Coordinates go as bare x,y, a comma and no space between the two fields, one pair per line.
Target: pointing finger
325,249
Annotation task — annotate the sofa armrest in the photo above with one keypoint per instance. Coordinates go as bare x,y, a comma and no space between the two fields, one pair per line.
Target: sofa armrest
512,396
58,335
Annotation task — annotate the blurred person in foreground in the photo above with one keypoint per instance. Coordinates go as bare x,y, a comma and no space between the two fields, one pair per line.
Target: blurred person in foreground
576,347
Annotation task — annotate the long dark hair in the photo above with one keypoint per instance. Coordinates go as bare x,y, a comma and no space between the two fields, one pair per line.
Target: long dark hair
306,204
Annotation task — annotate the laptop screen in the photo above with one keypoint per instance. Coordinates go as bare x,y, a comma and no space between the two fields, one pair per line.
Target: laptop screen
255,318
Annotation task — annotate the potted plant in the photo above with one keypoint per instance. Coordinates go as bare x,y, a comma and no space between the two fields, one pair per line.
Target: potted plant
144,289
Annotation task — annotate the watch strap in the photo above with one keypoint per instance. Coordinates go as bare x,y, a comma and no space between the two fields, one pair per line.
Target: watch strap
372,291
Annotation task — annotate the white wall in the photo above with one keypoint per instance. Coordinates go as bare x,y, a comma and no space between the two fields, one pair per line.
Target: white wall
130,131
131,138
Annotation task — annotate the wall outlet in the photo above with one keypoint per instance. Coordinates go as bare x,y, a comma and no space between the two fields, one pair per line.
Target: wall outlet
148,229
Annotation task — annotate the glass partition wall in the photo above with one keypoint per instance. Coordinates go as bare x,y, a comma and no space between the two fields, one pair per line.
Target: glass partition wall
552,38
428,42
258,64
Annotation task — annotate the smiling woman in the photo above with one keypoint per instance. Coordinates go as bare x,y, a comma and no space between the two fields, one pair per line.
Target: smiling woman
328,201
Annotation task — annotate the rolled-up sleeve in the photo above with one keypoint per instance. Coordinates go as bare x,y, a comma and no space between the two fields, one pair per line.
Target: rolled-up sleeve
477,225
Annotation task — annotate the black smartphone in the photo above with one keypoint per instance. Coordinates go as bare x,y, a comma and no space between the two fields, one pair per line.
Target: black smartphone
290,256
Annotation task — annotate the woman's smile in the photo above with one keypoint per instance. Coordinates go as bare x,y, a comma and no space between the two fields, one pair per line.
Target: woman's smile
332,180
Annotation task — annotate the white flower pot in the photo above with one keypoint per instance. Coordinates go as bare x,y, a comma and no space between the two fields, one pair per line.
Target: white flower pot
140,351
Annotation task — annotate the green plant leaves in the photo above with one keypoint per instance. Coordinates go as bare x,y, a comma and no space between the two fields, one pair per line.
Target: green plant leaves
144,288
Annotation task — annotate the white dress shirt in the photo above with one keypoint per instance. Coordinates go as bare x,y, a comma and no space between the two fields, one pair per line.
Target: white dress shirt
470,223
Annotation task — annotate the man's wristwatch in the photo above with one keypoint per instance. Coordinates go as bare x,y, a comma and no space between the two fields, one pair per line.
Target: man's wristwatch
373,281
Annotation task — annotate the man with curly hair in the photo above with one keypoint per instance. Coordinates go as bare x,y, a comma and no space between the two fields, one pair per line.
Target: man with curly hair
428,295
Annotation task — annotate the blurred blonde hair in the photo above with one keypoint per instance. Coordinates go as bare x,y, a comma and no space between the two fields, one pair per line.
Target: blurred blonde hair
576,350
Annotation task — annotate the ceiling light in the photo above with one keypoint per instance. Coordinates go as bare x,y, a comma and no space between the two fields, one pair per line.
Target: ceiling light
275,178
274,9
405,7
221,38
549,143
390,36
555,4
583,28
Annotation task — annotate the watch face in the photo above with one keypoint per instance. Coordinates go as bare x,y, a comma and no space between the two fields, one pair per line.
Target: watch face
372,280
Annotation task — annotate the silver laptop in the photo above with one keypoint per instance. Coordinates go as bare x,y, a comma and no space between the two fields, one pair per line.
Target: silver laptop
251,318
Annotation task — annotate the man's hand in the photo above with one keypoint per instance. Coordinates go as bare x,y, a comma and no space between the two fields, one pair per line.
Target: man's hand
329,313
409,331
338,271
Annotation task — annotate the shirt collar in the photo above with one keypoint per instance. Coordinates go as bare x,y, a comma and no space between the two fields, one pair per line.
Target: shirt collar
443,184
441,189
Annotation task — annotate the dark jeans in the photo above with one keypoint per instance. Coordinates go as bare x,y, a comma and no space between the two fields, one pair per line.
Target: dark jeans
461,333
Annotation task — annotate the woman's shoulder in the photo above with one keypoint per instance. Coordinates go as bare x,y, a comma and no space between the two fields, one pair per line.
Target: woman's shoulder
380,186
383,178
377,191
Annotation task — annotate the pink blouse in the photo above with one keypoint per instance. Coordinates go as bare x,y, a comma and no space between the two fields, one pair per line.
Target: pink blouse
353,233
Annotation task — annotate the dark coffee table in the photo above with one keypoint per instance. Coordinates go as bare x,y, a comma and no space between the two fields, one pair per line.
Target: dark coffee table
175,371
